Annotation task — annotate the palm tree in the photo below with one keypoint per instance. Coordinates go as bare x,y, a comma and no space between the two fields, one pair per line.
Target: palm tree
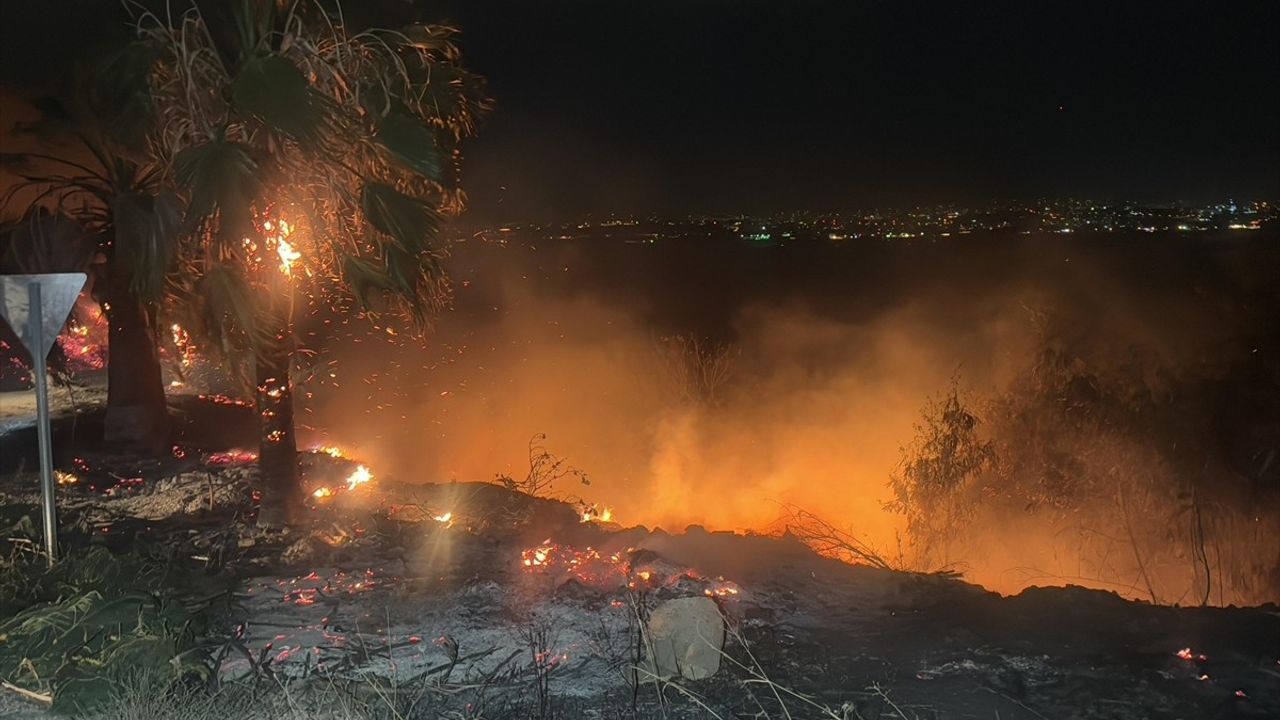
106,215
316,164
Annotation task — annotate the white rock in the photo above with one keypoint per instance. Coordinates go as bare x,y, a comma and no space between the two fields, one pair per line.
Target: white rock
685,637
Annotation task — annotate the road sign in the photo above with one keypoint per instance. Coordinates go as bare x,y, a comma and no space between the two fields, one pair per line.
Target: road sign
36,307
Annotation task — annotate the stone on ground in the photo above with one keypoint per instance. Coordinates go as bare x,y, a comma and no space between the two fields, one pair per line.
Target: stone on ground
685,637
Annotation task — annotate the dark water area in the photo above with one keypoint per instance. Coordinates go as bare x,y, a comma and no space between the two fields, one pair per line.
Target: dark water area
702,284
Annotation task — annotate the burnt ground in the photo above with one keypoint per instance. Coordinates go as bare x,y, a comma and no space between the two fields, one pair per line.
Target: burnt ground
511,605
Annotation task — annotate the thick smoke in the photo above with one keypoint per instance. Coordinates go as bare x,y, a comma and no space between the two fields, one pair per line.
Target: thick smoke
823,358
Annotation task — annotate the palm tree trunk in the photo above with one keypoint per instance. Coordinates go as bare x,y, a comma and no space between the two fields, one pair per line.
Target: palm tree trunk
137,417
281,503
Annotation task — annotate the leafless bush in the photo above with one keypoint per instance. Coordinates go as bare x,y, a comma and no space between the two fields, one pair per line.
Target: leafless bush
828,540
544,661
544,470
692,369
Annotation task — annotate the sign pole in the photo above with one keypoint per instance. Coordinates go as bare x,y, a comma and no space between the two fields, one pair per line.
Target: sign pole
47,299
43,430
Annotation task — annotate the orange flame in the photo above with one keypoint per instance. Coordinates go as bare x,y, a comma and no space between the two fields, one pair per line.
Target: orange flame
359,476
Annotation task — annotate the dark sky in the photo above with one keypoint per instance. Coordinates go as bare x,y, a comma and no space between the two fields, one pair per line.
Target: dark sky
744,106
731,105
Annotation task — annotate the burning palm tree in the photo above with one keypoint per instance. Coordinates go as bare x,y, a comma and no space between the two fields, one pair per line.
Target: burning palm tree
316,163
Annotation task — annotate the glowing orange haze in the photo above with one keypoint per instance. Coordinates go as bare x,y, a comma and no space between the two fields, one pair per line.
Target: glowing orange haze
815,414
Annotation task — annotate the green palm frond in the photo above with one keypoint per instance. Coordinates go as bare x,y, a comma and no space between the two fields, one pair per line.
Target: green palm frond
43,242
146,238
95,619
273,90
411,223
119,93
367,279
228,312
410,142
222,176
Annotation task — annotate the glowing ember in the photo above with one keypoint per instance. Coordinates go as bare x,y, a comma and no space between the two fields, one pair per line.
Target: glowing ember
321,492
1186,654
65,478
360,476
330,450
225,400
84,340
591,567
231,457
722,588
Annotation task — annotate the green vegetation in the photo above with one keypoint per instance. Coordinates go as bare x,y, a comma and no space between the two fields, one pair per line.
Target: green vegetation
93,623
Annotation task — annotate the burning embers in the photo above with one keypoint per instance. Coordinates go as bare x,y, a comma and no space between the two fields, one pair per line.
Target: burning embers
231,457
631,569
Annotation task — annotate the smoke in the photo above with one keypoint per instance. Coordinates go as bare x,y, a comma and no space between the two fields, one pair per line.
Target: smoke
829,355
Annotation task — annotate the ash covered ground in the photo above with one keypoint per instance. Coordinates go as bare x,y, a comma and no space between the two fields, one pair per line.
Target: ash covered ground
481,601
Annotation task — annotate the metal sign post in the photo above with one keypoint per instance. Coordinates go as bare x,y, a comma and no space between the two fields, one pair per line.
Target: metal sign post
36,306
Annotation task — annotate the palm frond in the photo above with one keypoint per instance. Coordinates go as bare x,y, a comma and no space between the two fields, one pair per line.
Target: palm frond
146,238
410,222
411,143
43,242
119,93
222,176
273,90
228,313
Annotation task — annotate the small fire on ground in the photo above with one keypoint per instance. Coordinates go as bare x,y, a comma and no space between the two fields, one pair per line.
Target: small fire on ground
360,476
591,567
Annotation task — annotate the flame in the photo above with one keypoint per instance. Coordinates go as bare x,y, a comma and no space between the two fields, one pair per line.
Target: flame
182,341
445,518
287,255
321,492
65,478
330,450
359,476
594,513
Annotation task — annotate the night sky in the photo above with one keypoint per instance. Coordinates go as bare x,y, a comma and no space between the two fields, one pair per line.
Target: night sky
677,106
